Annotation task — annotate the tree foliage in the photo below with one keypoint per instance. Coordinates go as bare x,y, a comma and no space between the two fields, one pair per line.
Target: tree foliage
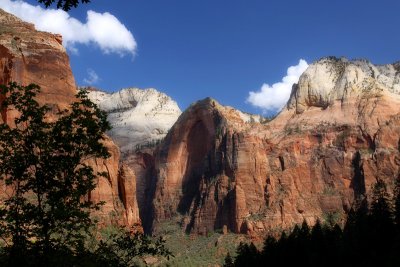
43,165
65,5
45,209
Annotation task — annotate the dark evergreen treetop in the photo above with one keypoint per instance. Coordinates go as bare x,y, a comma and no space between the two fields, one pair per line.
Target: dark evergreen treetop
371,237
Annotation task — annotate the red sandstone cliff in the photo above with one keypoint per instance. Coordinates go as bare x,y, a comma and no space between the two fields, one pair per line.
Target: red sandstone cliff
338,134
30,56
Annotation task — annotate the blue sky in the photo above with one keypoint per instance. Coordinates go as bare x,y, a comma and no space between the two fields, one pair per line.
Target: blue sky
227,48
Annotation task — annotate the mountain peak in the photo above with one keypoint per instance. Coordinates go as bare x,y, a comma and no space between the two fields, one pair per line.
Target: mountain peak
332,79
137,116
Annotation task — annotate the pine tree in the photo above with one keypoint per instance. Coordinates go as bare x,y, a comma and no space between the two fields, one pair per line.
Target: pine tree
317,243
381,224
269,252
247,255
305,230
381,209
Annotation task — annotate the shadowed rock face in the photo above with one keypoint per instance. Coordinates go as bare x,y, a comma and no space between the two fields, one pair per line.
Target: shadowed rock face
29,56
338,134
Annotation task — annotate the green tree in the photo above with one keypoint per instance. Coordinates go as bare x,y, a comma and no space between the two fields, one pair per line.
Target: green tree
43,165
65,5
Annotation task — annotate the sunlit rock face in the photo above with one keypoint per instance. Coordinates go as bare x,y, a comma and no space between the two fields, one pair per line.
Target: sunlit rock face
352,92
338,134
30,56
139,118
218,168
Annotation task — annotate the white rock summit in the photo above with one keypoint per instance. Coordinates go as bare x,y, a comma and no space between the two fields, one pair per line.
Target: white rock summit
139,118
339,91
332,79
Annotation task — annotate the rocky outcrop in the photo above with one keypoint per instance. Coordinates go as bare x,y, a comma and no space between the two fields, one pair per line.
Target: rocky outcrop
29,56
338,134
139,118
351,92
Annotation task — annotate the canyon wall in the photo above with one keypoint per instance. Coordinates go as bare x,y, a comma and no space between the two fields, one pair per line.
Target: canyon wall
140,119
30,56
218,168
338,134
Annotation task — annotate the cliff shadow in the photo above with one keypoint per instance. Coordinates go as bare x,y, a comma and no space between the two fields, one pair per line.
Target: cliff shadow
198,146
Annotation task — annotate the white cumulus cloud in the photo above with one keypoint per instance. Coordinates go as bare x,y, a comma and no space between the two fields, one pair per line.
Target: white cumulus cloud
92,77
101,29
274,97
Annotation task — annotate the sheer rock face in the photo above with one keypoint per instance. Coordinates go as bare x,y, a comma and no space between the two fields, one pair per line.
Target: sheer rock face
338,134
117,190
30,56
